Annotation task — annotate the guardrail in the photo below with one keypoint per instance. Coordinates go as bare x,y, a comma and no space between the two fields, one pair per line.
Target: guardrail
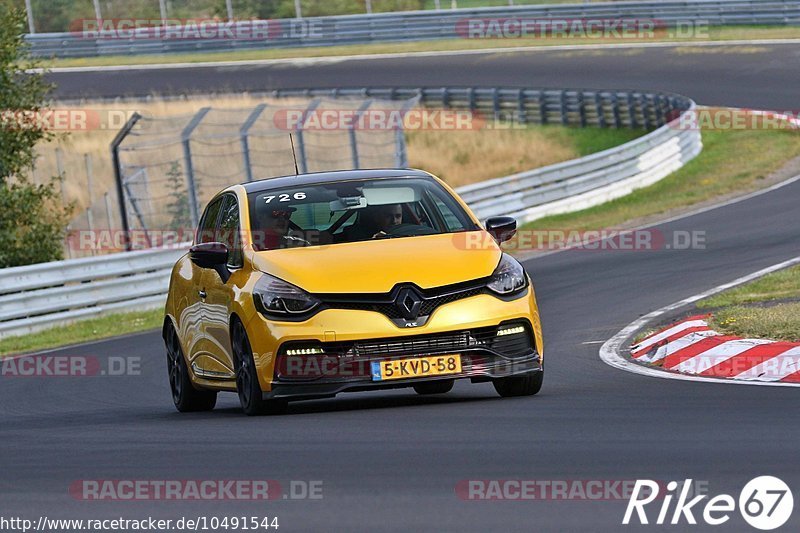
40,296
585,182
404,26
36,297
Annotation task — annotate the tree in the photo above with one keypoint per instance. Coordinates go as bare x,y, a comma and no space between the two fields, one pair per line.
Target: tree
22,96
32,218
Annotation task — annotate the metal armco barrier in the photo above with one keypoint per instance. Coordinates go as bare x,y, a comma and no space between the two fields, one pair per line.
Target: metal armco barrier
404,26
40,296
36,297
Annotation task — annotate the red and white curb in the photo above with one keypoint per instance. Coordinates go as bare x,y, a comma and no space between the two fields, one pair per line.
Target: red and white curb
692,347
612,350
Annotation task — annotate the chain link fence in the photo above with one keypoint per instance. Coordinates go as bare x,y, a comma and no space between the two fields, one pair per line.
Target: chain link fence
169,167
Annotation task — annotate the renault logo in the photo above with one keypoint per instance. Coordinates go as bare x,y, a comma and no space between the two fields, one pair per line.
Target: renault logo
408,302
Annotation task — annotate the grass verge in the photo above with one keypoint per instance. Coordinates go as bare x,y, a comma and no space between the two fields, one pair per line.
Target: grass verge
776,286
84,331
723,33
732,161
464,157
759,309
777,322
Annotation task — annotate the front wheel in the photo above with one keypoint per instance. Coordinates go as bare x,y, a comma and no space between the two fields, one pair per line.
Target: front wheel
526,385
250,393
186,398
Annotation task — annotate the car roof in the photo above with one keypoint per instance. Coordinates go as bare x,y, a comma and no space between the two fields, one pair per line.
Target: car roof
331,177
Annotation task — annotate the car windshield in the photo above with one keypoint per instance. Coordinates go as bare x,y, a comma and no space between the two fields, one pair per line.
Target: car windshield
353,211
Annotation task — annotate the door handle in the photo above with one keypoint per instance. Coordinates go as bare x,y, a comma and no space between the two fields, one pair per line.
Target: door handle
203,294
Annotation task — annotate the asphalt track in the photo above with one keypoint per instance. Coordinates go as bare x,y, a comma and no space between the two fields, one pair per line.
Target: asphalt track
391,461
743,76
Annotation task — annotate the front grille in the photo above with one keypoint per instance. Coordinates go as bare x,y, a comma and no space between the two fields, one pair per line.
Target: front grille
486,338
385,303
431,344
429,306
350,361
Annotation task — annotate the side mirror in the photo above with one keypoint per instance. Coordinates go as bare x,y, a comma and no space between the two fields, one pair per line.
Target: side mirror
501,228
213,255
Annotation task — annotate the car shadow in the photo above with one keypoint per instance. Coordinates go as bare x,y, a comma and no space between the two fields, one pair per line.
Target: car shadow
359,402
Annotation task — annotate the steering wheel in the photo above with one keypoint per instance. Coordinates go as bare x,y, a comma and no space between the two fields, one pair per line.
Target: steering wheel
292,239
408,230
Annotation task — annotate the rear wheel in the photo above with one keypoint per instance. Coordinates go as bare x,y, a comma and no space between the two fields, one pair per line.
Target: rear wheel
185,396
435,387
526,385
250,393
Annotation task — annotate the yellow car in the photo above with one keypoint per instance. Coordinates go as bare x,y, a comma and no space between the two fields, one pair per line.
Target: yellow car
305,286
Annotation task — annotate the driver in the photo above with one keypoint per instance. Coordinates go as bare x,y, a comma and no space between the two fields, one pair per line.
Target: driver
374,222
387,216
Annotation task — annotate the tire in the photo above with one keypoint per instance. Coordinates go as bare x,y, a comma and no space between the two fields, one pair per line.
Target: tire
527,385
247,386
435,387
185,396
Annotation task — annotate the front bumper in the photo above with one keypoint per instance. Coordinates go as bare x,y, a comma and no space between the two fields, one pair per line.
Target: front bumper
341,328
323,389
484,353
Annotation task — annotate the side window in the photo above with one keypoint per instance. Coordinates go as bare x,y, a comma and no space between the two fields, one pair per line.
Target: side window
229,230
450,219
208,225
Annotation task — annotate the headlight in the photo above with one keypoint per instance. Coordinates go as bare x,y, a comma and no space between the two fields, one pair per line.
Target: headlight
273,296
509,277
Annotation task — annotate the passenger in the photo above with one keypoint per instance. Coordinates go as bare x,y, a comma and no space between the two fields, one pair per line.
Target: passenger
273,228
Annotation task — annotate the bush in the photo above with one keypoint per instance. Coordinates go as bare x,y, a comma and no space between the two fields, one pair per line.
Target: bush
32,223
180,217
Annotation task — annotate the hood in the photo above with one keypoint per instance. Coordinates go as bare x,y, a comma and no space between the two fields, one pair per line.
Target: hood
377,266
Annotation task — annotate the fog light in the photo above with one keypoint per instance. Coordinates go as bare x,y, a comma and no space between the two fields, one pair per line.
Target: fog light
305,351
510,331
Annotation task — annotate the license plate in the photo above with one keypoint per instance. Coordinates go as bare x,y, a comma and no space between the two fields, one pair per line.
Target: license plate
435,365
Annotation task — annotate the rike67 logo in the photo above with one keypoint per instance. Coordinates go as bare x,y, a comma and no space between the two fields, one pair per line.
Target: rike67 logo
765,503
